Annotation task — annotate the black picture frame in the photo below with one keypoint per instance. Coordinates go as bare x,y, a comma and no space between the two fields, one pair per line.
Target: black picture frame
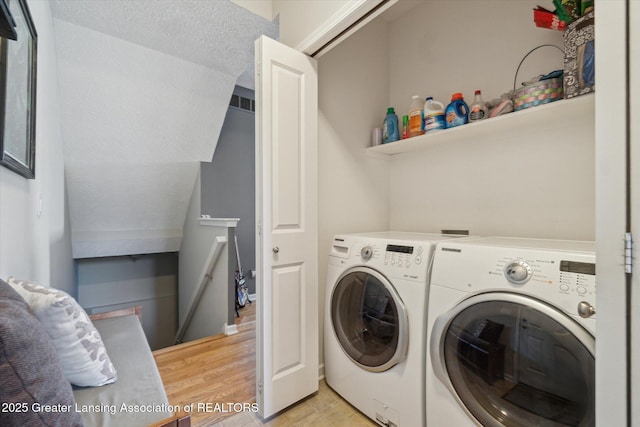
18,71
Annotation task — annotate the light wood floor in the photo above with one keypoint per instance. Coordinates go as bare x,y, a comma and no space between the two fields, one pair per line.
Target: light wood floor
322,409
215,370
221,370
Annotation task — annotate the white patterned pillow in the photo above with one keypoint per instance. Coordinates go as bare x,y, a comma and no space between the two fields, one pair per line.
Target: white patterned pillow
80,348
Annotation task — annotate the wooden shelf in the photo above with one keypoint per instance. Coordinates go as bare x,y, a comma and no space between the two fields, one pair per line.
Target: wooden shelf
558,111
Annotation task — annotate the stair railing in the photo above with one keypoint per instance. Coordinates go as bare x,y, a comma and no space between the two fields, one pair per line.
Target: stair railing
220,243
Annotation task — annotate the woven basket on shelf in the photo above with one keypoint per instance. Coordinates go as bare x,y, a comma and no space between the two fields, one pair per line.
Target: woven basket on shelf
536,93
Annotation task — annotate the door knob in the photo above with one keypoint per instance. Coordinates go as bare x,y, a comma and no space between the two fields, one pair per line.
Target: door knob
276,249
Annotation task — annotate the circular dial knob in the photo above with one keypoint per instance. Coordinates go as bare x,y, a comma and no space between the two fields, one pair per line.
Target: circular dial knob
517,272
366,252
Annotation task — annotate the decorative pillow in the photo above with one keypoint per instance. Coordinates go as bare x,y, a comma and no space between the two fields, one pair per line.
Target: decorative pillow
80,348
34,390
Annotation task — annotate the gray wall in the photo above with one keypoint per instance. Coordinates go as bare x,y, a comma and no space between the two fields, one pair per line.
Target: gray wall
151,281
228,182
214,309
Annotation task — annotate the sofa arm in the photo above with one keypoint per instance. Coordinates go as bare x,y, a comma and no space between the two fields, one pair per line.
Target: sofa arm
178,420
137,310
139,383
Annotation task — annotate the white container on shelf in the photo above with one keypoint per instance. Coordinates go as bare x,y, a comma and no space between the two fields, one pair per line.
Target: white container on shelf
434,116
478,109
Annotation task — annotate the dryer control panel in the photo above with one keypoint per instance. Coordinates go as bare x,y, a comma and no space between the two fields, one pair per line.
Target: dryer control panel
561,273
563,276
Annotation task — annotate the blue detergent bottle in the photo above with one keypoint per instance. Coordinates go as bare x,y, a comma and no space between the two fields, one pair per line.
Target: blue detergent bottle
457,112
390,131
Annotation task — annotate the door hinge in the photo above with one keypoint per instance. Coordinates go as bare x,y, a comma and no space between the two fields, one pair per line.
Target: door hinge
628,253
260,387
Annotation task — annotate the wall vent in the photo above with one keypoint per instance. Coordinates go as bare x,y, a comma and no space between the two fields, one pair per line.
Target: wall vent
455,232
242,103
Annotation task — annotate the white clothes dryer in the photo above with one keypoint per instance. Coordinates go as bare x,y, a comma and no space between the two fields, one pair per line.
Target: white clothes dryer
375,312
511,333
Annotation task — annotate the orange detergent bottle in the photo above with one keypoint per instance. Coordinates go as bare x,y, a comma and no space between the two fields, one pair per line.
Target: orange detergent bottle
416,116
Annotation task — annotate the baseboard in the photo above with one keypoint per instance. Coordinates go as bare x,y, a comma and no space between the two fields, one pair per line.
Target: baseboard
321,372
230,329
252,297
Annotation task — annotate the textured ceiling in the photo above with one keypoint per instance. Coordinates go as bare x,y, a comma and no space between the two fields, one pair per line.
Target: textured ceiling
144,88
215,33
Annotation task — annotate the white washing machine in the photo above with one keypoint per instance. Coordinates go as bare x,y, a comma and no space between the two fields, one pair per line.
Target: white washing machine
375,312
511,333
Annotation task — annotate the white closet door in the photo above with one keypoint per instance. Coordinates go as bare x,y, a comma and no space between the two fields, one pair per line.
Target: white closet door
634,94
287,244
611,213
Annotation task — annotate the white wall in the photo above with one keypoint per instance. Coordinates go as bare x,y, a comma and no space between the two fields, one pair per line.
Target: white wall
262,8
441,47
534,182
353,193
31,246
298,19
533,185
136,123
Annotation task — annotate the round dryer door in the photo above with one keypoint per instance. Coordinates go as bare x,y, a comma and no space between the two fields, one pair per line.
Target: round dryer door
513,360
369,319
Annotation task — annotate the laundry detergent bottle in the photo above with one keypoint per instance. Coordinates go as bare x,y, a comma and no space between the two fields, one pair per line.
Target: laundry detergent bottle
478,110
457,112
433,115
416,123
390,131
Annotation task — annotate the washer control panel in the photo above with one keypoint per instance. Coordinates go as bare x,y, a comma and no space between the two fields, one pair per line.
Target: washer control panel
403,256
395,259
398,255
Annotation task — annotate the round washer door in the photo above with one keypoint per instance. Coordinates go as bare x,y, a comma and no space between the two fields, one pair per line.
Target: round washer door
513,360
369,319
